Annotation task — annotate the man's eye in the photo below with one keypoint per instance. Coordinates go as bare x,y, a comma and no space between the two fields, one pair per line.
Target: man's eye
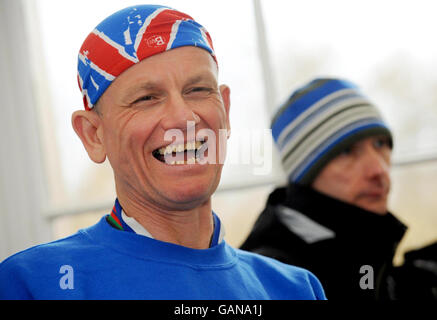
145,98
199,90
346,151
381,142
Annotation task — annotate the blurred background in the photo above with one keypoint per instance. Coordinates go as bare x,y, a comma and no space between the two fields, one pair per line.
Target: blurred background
49,188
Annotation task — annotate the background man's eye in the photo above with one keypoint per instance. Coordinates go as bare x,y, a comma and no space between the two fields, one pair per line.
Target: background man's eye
346,151
381,142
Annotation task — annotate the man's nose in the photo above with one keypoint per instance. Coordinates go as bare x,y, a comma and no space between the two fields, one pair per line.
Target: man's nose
178,114
374,164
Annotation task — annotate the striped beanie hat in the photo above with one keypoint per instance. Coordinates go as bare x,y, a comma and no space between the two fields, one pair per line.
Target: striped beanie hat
318,121
129,36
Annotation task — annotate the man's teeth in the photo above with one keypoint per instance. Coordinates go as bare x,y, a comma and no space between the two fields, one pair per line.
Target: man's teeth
189,161
183,153
180,147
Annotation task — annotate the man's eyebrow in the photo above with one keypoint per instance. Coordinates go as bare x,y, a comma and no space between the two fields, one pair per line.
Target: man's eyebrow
201,77
130,94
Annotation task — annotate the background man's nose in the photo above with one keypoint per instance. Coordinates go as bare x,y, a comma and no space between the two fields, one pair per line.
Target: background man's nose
374,164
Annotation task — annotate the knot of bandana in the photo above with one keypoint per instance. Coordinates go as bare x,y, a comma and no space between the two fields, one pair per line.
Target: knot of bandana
129,36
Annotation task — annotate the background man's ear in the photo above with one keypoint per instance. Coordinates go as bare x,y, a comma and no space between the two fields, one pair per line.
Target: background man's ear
225,92
86,124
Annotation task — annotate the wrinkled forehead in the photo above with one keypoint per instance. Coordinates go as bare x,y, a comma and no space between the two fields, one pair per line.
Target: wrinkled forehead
185,66
130,36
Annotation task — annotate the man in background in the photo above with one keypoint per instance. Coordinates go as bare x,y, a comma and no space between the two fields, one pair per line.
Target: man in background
332,217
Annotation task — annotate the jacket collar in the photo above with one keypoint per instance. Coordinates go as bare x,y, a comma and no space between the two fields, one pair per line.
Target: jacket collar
336,215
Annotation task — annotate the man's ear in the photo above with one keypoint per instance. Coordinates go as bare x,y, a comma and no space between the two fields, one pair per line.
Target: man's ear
87,125
225,92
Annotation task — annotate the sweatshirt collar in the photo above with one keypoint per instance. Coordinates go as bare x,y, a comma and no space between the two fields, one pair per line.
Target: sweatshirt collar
146,248
119,220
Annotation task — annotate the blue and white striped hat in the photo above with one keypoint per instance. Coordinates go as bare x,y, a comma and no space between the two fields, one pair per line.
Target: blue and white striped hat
318,121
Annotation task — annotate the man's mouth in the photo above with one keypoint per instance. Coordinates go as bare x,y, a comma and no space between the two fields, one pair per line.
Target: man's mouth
376,195
183,153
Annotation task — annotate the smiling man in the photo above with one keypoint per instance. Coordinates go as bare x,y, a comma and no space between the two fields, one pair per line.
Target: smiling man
164,92
154,109
332,217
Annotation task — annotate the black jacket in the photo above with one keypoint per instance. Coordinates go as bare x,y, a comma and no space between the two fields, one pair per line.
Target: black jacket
416,278
332,239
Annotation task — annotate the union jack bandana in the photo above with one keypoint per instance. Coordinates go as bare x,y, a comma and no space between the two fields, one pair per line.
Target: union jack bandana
129,36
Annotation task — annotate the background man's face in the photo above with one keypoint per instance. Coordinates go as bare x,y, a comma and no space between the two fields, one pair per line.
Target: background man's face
359,175
159,94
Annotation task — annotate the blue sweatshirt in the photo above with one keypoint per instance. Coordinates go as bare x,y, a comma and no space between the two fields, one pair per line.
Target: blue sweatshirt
101,262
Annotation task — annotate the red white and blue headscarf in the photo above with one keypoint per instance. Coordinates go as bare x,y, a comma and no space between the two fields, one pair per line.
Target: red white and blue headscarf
129,36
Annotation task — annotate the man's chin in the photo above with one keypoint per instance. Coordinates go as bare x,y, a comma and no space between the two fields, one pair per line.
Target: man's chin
188,198
380,209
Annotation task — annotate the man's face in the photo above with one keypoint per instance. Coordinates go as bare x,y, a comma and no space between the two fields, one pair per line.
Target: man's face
359,175
159,94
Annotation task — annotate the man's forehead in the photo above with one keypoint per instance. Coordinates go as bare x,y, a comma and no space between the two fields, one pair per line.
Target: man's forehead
156,72
160,84
188,57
